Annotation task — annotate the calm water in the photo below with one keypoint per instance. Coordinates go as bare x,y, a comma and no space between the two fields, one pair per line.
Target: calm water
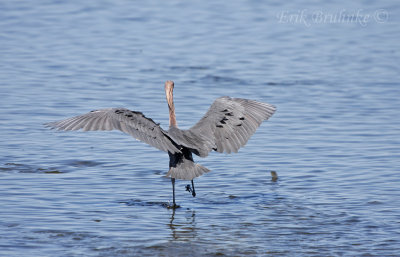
332,71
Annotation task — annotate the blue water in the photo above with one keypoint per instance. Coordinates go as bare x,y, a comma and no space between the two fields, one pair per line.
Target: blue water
331,69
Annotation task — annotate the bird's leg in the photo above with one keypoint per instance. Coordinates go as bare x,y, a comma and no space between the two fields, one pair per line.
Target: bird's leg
173,192
191,189
193,192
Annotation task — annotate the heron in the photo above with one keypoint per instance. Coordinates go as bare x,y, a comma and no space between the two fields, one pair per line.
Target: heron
227,126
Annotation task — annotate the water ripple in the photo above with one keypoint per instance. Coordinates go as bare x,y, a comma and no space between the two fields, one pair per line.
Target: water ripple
334,140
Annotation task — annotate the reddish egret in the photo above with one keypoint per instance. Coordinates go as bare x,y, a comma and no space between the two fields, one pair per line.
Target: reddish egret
227,126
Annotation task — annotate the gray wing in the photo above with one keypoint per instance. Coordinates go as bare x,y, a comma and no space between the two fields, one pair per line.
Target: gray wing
130,122
228,125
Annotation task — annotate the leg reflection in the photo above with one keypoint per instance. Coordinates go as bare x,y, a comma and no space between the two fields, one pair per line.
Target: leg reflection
183,226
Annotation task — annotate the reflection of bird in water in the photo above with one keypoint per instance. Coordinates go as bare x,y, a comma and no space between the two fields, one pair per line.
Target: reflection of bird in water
227,126
183,229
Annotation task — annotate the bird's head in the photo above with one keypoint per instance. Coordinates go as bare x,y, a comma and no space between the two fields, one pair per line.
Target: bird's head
169,88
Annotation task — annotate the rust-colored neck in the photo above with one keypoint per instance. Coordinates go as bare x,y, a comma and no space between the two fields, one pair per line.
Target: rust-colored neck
169,88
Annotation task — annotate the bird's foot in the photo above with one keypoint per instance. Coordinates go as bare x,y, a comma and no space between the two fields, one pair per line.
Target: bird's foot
190,190
172,206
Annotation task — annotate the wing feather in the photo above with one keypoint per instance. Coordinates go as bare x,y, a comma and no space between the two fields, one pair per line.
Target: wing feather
129,122
228,125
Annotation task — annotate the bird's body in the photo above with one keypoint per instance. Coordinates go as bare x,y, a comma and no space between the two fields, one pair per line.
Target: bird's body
227,126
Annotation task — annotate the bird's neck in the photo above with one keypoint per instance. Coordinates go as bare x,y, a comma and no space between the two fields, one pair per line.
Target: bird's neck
171,107
172,117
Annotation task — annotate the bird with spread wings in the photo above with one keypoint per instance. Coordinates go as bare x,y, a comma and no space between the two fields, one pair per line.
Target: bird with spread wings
227,125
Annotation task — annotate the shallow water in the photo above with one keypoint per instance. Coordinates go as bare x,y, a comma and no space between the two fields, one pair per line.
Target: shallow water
334,140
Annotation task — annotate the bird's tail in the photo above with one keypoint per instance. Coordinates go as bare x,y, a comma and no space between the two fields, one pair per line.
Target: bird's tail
186,169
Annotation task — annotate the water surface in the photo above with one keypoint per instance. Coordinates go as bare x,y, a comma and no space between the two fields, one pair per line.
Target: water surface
334,140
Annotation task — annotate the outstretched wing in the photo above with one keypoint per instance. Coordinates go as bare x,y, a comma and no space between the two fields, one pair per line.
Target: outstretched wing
130,122
228,125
